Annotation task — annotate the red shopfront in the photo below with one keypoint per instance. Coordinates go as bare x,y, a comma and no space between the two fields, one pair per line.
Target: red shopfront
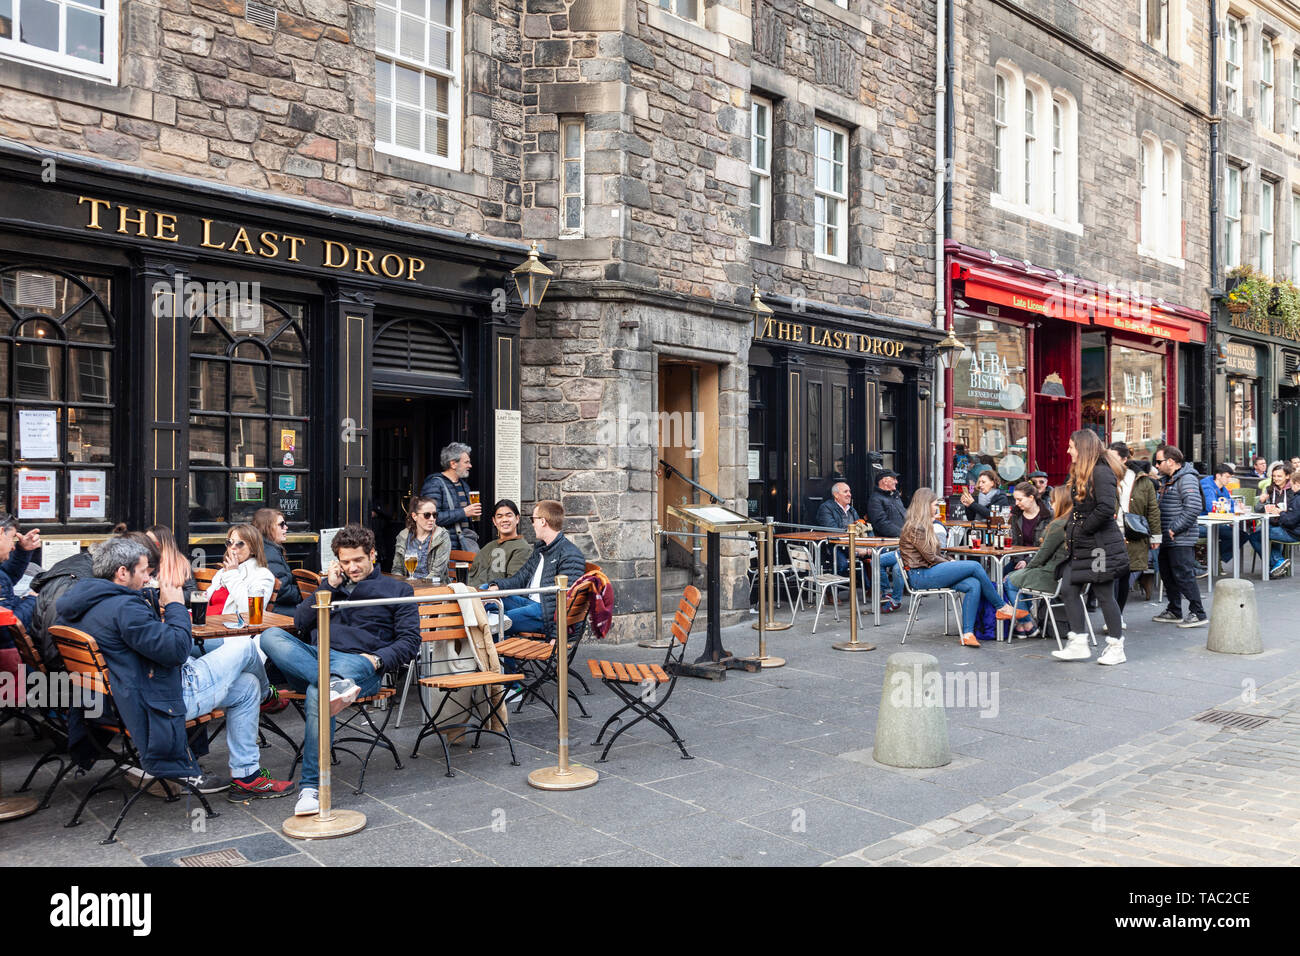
1048,353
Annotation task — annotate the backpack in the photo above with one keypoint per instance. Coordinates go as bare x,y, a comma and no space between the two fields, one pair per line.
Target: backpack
986,622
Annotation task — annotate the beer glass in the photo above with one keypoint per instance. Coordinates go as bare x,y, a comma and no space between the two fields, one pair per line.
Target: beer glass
199,607
473,497
411,561
255,605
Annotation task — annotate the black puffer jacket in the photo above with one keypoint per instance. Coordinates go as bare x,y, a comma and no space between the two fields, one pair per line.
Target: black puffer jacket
49,587
1097,550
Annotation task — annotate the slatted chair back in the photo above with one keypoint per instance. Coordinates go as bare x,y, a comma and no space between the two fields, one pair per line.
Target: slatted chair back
462,556
684,619
83,658
26,647
203,577
275,595
800,559
308,581
442,620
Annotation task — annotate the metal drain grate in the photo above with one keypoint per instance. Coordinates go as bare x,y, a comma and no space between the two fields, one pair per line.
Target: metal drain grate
214,858
261,14
1231,718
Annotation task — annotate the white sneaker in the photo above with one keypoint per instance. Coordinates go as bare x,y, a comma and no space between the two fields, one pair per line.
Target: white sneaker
494,618
1076,648
1114,652
308,802
343,691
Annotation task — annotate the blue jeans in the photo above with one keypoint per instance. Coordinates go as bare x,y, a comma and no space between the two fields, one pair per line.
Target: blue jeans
889,572
525,615
1279,534
967,578
226,677
299,663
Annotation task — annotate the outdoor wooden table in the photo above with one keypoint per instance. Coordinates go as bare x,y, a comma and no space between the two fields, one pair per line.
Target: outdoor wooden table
1212,522
815,538
874,548
215,626
999,553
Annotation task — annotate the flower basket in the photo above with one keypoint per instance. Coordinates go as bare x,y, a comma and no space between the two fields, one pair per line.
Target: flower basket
1238,306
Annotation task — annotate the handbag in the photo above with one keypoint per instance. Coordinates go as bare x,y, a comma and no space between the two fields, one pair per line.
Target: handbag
1136,527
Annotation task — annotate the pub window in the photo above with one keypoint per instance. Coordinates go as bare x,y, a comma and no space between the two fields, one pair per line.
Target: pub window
571,180
56,370
1232,71
1266,82
1232,217
417,80
991,414
69,36
832,202
760,170
1266,227
248,412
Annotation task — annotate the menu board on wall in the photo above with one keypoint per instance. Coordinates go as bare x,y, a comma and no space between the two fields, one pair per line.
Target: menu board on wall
508,454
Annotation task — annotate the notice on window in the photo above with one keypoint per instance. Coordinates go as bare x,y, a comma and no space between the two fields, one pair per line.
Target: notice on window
755,464
38,434
52,552
87,494
327,548
249,491
36,491
288,439
509,454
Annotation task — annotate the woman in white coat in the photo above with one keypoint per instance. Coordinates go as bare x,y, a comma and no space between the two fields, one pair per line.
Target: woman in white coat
243,573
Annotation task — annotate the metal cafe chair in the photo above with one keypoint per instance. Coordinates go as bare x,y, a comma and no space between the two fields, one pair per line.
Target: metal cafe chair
638,685
948,594
1052,599
812,578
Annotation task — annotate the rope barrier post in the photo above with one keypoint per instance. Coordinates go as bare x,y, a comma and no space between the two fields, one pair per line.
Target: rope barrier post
852,643
11,808
658,643
769,624
327,822
763,659
566,776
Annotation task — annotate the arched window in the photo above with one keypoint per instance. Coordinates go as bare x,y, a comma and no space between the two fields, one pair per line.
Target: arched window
248,410
56,386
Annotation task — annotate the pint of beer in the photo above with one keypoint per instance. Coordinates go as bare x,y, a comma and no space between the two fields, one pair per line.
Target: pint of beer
411,560
256,603
199,607
473,497
943,509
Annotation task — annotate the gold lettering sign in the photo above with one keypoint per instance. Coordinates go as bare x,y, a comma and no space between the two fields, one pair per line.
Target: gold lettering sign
835,339
104,215
1264,325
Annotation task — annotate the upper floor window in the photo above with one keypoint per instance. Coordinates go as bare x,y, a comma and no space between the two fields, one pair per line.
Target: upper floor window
1232,217
1295,96
1266,82
1154,16
1266,227
417,80
1232,63
1035,147
571,178
760,170
686,9
832,193
71,36
1295,237
1161,199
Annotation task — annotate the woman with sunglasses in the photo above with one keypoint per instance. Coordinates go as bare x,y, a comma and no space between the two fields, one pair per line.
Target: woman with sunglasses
243,573
274,529
424,540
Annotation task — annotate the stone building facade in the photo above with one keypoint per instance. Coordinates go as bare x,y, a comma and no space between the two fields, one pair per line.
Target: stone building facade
646,346
1079,227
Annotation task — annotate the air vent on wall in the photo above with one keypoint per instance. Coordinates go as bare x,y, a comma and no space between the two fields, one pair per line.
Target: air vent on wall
35,289
419,347
261,14
1290,362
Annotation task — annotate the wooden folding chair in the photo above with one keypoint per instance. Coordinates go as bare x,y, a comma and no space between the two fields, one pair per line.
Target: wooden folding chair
362,733
47,721
540,658
308,581
637,685
443,621
85,662
203,577
464,557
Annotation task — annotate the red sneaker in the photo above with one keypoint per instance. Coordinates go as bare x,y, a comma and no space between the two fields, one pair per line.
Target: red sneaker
263,786
274,703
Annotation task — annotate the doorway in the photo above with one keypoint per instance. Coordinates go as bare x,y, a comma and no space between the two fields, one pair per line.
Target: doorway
409,433
687,427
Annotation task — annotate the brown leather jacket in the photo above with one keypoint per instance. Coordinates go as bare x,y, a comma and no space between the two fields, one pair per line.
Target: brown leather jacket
915,553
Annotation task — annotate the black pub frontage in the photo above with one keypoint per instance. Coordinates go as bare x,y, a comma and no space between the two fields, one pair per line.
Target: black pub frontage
1257,395
835,394
183,353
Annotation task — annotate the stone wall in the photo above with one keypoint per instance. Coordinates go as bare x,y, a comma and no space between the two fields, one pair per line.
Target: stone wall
205,93
1157,93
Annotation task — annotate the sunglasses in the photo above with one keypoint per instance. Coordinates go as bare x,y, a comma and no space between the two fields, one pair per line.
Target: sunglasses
428,514
282,523
237,544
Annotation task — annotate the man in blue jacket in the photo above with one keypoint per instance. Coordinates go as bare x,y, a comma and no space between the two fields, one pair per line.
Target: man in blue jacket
1180,506
450,490
364,643
156,685
886,512
15,554
554,554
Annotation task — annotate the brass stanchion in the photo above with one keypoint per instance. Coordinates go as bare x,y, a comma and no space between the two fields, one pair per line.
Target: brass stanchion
761,623
566,776
658,643
852,644
770,624
11,808
326,822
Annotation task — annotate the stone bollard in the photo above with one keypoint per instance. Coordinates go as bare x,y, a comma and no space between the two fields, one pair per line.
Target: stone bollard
912,728
1234,619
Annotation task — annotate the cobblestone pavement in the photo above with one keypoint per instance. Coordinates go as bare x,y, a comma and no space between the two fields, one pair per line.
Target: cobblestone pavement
783,773
1190,794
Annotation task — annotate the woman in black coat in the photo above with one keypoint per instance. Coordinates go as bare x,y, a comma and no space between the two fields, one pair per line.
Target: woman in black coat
1096,545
